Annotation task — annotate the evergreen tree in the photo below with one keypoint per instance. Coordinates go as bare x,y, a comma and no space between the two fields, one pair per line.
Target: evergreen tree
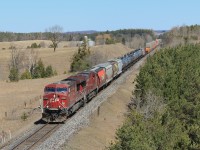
79,60
49,71
26,75
39,70
14,74
123,41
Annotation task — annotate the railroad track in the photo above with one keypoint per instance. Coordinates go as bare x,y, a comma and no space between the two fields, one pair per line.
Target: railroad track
37,137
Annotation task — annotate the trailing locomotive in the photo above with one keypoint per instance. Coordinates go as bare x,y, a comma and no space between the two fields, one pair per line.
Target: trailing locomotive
63,98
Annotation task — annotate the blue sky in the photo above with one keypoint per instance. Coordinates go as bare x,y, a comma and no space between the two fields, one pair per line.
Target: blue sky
101,15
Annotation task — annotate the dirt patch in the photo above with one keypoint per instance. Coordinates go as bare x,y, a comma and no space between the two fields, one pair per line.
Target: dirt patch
101,130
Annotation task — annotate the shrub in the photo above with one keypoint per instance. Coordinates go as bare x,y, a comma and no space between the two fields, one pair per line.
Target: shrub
123,41
14,75
39,70
110,41
49,71
55,73
34,45
24,116
26,75
12,47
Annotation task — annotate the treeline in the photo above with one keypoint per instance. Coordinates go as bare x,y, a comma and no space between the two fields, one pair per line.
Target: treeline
131,32
133,38
181,35
164,112
11,36
118,34
37,71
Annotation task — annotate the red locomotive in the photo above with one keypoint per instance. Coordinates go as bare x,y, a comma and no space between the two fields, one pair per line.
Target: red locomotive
64,97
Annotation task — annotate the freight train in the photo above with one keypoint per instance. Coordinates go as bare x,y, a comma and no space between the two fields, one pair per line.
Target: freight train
63,98
152,45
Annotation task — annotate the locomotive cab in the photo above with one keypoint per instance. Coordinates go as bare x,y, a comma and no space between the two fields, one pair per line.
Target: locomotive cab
55,101
55,96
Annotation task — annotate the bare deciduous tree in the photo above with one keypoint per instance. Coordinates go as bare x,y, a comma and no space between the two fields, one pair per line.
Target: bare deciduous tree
54,34
151,105
97,57
135,42
31,57
17,56
148,38
23,59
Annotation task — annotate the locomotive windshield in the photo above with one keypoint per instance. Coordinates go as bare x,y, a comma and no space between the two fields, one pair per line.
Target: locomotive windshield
52,89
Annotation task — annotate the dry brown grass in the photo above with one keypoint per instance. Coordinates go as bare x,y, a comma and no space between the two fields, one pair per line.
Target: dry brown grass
13,95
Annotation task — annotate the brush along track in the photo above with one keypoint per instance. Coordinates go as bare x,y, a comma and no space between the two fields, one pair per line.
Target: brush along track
37,137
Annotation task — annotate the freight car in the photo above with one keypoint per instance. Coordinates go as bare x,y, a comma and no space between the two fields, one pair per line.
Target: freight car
152,45
63,98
